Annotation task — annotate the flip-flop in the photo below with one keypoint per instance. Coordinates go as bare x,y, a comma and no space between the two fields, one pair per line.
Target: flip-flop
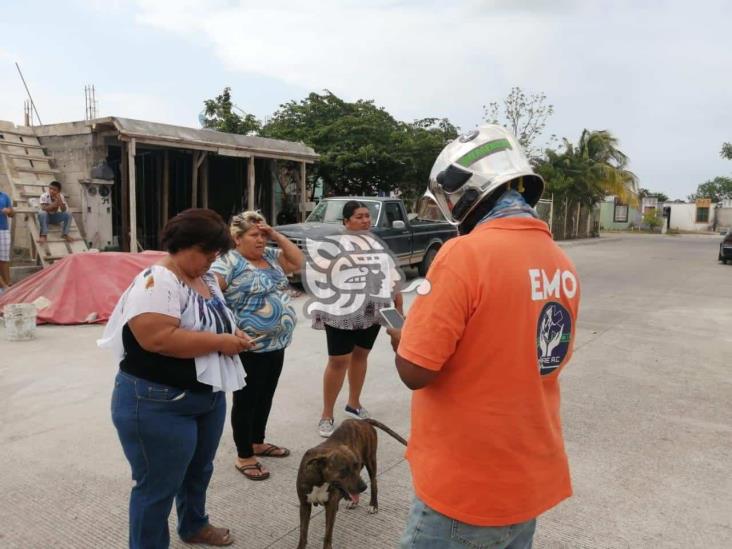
210,535
271,449
264,475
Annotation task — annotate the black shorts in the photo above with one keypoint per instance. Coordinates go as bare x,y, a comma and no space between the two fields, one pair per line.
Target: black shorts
342,342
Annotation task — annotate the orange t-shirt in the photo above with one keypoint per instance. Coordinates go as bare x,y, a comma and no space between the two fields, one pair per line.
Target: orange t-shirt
486,443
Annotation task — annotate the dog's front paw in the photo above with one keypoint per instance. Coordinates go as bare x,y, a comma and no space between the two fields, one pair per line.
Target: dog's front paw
373,509
351,505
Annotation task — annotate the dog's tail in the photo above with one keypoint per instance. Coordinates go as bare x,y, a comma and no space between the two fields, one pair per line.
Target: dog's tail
385,429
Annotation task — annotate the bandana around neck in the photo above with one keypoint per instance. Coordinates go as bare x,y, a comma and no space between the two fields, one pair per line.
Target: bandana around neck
511,204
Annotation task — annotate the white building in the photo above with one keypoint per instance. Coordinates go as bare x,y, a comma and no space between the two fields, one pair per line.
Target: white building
696,216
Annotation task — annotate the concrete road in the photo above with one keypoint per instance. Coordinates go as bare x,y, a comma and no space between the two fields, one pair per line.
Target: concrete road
647,409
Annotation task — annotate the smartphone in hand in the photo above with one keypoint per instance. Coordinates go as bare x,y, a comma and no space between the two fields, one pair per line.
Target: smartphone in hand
392,317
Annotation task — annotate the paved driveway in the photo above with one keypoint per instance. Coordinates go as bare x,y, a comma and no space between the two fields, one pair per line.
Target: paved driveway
647,409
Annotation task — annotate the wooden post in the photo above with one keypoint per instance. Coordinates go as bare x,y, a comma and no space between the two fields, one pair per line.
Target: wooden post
198,158
158,162
131,151
303,190
194,180
125,199
273,197
250,184
204,182
166,187
577,223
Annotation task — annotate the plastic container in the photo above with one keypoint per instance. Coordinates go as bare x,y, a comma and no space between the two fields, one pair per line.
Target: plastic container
20,321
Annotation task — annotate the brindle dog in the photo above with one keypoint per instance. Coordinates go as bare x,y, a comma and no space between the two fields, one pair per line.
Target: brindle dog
331,471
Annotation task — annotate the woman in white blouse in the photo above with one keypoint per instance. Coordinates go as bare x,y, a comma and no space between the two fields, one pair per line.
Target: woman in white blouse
177,346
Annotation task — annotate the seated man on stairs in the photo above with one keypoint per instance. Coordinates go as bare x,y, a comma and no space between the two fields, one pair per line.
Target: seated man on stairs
54,211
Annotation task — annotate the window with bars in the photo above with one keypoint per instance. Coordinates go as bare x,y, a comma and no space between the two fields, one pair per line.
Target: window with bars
620,214
702,215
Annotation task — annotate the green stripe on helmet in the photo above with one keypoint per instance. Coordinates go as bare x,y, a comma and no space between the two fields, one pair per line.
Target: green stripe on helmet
482,151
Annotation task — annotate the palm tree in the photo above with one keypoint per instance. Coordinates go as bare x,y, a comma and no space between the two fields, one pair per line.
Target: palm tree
608,165
591,170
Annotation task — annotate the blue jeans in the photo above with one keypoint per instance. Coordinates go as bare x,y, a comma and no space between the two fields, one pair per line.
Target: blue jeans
170,437
428,529
57,218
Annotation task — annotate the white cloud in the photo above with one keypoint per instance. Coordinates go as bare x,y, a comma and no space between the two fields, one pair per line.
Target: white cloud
657,73
55,107
138,105
409,58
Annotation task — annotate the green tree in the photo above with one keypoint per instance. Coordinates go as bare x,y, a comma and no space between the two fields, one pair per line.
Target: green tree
355,142
652,219
419,145
726,151
219,115
363,149
717,189
525,115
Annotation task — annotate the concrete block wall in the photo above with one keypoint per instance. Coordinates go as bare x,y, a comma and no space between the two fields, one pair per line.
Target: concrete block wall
4,182
74,155
724,218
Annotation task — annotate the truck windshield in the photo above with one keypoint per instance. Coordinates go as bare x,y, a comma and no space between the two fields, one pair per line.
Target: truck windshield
331,211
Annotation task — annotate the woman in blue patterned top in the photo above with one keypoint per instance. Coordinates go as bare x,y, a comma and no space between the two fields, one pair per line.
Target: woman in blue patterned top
253,278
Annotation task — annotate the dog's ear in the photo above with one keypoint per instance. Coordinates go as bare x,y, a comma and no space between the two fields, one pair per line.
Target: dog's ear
315,466
316,462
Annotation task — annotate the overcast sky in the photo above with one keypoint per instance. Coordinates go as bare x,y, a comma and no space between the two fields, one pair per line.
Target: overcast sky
659,76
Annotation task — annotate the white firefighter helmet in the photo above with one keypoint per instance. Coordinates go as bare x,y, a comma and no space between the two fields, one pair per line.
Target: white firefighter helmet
475,165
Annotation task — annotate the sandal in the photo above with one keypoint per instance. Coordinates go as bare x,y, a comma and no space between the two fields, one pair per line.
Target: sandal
274,451
263,475
210,535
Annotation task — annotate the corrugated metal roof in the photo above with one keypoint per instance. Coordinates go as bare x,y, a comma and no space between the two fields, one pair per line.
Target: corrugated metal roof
180,136
259,146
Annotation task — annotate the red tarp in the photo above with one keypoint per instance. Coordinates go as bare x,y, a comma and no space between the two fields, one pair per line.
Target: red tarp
80,286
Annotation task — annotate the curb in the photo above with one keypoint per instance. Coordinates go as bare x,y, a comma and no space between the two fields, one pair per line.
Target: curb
588,241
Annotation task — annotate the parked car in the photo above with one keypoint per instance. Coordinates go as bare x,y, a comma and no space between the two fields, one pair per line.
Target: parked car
413,239
725,248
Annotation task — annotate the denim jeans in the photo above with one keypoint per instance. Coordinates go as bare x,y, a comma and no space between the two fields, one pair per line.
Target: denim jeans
170,437
57,218
428,529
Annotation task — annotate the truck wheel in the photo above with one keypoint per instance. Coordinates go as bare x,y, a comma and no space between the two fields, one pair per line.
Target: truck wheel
427,260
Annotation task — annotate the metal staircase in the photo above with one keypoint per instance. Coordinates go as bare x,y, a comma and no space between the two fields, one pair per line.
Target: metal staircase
28,170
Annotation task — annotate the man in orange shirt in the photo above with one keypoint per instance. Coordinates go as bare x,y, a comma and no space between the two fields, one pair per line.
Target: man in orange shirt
483,351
